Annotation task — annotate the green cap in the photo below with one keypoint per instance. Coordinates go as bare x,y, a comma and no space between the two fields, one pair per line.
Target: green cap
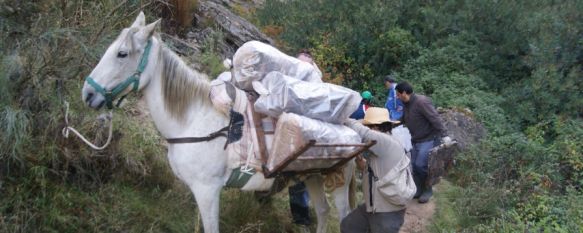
366,95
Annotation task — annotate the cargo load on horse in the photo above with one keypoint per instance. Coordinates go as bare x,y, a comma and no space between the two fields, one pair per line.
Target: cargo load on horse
308,135
254,60
321,101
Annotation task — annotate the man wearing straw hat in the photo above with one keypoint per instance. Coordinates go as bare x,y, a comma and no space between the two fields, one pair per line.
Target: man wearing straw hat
387,181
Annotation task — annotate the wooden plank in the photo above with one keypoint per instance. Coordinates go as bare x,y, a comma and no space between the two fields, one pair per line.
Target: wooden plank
260,134
339,145
348,158
270,174
321,157
296,156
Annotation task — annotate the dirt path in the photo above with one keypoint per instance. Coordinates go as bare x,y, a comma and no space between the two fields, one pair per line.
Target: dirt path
418,216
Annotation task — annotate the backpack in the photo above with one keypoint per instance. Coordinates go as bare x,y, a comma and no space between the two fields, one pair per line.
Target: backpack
398,186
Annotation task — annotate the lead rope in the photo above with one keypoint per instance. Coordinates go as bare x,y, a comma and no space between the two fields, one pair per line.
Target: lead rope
68,128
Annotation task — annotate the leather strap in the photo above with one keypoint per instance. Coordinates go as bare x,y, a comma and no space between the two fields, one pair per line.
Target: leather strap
211,136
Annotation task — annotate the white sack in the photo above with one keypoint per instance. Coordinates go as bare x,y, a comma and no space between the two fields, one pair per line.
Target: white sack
253,60
293,131
323,101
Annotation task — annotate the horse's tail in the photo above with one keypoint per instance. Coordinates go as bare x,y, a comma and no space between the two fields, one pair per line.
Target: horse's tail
352,191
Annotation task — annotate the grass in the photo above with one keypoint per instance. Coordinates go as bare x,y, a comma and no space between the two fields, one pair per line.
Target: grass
114,207
15,129
445,217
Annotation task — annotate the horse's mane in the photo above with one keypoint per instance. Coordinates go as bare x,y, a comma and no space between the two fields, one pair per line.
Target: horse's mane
181,85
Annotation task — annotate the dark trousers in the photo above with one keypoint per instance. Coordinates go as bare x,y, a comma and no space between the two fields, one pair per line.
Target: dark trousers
359,221
298,204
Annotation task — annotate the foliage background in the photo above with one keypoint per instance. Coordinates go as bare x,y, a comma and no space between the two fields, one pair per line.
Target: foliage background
516,64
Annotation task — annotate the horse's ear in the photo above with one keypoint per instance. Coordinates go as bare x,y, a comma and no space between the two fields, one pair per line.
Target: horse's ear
144,33
140,20
150,28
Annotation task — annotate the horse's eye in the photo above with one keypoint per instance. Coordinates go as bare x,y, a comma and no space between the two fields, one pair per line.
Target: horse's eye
122,54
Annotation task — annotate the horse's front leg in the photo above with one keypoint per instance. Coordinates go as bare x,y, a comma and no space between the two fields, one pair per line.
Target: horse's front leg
315,186
207,199
341,194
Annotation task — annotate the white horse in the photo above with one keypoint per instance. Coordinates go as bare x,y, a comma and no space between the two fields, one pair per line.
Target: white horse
178,99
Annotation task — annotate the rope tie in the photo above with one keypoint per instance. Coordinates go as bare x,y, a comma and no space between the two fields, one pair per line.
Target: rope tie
68,128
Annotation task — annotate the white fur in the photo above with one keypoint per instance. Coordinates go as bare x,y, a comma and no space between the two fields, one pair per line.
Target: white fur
201,166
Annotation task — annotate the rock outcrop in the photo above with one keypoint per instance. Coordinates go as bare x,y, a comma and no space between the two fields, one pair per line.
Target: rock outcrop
214,17
462,126
237,30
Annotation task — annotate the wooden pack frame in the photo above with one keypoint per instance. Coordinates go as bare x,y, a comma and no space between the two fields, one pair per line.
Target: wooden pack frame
340,160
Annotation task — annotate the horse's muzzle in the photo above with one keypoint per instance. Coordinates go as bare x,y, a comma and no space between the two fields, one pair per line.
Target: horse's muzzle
93,99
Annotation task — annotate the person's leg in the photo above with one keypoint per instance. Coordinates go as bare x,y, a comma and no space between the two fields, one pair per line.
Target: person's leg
356,221
419,164
298,203
422,158
389,222
421,169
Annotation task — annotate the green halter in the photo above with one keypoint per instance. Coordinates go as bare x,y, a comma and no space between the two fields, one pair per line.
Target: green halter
132,79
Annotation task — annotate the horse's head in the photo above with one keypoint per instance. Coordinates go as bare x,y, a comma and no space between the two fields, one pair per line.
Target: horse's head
119,70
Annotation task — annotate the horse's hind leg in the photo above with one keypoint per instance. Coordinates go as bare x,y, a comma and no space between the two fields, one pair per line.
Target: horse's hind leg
207,199
315,186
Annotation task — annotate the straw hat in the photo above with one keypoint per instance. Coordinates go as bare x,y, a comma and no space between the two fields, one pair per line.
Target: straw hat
375,116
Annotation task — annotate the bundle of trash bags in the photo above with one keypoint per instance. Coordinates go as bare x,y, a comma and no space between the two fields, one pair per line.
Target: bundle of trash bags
291,91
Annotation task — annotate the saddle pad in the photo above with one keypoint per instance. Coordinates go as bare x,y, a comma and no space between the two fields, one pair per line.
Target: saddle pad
245,152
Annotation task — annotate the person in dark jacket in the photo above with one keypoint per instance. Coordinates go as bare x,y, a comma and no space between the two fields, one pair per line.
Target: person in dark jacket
363,106
427,131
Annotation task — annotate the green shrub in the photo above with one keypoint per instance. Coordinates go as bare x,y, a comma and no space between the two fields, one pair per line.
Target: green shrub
212,63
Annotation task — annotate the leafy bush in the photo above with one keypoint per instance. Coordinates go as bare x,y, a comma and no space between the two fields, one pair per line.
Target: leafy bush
211,61
355,43
514,64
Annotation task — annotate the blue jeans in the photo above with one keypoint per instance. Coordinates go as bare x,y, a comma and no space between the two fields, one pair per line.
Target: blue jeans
420,157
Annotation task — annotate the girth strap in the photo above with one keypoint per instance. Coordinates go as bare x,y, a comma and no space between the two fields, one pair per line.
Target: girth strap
211,136
234,132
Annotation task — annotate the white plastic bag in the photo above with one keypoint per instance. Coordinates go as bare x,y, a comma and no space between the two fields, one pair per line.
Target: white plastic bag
254,59
294,131
322,101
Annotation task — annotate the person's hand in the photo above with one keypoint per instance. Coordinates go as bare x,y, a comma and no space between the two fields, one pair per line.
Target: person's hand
446,140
